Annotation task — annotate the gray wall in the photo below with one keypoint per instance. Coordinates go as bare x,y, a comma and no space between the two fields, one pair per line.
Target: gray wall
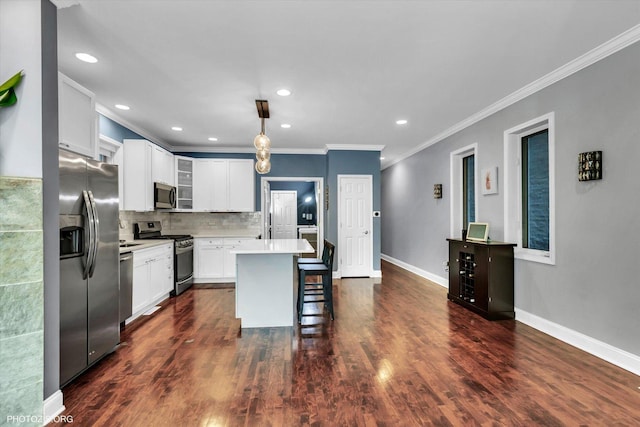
593,288
349,162
50,195
28,137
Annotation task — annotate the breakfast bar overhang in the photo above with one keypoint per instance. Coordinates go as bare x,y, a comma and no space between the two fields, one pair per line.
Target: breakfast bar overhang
266,281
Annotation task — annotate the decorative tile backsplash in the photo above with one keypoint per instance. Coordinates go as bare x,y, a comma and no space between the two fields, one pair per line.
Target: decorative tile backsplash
21,298
191,222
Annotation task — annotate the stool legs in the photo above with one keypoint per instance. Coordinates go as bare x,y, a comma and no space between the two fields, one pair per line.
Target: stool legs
327,293
327,287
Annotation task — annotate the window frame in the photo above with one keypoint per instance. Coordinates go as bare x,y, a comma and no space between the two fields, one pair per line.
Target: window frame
513,185
456,157
465,188
108,147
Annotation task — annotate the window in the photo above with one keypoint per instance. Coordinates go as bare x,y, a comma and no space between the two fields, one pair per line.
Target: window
463,188
107,149
468,191
535,190
530,189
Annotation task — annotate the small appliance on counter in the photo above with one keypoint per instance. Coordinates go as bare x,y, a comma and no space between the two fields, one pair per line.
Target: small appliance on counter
182,252
89,283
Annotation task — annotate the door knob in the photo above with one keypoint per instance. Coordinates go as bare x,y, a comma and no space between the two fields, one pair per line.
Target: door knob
366,232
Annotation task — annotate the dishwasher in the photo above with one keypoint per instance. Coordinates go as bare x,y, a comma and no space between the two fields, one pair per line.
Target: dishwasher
126,286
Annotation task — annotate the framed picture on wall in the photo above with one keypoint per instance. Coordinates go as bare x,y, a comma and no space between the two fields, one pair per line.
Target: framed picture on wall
489,180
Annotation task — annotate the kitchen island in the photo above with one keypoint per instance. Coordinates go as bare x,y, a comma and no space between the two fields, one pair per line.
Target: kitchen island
266,281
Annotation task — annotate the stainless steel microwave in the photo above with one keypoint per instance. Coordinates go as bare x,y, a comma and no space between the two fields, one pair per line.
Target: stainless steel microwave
164,196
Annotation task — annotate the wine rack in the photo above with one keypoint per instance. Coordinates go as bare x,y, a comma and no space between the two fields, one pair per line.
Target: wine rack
467,277
481,277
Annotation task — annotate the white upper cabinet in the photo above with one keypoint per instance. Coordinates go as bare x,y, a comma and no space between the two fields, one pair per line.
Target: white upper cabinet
138,183
223,185
77,118
144,164
203,176
162,166
241,185
184,182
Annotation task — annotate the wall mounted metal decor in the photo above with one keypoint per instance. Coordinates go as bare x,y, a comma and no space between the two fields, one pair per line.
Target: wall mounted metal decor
590,165
437,191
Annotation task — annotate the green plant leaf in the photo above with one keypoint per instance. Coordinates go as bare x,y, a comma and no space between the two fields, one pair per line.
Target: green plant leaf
12,82
8,98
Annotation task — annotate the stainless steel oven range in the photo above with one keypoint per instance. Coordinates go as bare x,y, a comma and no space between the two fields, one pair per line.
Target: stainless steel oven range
182,252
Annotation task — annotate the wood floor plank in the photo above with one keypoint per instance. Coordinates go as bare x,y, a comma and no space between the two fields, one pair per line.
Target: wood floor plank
397,353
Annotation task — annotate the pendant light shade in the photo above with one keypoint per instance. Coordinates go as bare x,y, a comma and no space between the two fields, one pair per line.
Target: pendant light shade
263,154
263,166
262,142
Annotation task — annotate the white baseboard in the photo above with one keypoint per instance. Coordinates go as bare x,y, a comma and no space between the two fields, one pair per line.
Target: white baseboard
374,274
602,350
53,406
444,282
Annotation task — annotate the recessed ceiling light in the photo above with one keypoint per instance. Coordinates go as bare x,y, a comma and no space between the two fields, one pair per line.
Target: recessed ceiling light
86,57
284,92
176,128
401,122
212,139
122,107
285,125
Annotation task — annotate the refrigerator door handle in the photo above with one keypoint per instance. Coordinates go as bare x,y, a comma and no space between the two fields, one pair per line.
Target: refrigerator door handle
91,244
96,233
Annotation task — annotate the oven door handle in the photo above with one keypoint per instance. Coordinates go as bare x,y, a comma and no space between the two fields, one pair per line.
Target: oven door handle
180,251
185,280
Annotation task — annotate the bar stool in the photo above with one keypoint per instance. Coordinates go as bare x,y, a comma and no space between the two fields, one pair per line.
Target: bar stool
324,289
316,260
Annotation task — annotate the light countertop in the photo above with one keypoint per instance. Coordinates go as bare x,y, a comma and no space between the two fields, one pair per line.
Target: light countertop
274,246
227,233
144,244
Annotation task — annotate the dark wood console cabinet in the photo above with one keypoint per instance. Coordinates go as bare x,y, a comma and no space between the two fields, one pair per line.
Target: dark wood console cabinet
481,277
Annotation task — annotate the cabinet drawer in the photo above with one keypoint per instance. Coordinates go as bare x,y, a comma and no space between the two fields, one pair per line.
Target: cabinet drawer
230,241
209,242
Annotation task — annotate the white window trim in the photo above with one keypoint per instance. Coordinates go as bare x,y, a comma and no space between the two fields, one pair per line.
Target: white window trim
512,185
108,147
455,179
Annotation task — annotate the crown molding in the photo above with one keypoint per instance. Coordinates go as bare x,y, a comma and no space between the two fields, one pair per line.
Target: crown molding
353,147
599,53
61,4
133,128
200,149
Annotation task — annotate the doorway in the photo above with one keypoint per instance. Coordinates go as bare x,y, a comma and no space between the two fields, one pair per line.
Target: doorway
310,215
284,214
355,230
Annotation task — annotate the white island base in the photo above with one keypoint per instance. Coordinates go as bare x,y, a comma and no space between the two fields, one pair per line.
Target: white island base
266,282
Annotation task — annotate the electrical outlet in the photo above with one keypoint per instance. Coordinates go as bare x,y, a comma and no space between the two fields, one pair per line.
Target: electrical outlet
445,265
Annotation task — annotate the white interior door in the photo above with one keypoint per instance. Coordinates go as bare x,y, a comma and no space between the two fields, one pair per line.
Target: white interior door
356,225
284,214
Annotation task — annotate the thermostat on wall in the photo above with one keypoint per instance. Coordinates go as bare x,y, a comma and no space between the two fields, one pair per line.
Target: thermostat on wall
376,214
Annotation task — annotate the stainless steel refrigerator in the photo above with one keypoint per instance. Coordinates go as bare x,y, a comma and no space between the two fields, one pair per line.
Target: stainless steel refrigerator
89,263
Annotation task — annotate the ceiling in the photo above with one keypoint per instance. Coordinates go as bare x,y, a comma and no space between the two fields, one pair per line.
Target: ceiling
353,67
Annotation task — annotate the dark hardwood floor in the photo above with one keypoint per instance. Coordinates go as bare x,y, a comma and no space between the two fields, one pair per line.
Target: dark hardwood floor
398,353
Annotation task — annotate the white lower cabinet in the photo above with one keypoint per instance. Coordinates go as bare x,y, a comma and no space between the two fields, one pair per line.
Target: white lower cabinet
213,260
152,277
208,262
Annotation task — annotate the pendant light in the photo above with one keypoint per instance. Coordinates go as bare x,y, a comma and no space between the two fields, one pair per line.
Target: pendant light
262,141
